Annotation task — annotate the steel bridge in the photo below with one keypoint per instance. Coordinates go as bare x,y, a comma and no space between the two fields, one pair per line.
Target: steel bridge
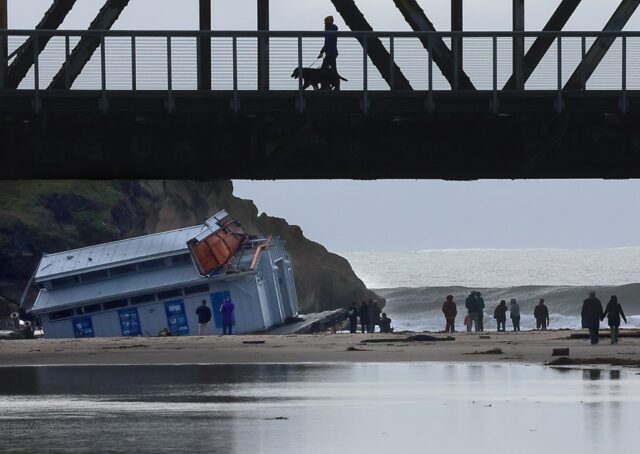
425,103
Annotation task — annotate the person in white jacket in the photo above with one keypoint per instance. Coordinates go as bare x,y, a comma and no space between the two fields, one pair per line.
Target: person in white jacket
515,314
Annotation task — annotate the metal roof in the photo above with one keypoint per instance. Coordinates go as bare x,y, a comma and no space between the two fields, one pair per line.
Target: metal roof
121,252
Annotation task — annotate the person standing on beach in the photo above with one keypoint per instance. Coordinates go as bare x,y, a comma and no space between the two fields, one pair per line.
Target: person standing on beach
352,313
450,311
228,318
515,314
480,307
613,312
541,314
374,319
385,324
472,311
500,314
592,315
204,317
363,312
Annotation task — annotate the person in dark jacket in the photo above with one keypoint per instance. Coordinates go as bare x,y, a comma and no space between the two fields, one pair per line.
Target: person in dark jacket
374,315
541,314
480,307
330,48
385,324
204,317
363,312
592,314
472,311
228,317
450,312
613,312
352,313
514,311
500,314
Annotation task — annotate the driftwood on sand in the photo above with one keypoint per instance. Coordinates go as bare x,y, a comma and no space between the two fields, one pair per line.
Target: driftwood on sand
416,338
607,334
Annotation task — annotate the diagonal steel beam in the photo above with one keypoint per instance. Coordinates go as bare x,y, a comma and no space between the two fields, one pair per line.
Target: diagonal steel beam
378,54
442,55
541,45
87,45
24,55
601,45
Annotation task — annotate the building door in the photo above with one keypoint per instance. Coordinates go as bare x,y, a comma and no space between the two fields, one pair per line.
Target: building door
177,317
130,322
216,302
284,288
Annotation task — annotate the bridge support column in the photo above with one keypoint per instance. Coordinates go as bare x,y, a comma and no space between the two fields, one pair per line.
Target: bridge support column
457,44
204,47
3,43
263,46
518,45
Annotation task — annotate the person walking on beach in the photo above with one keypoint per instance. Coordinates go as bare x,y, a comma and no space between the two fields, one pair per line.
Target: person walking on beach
330,48
613,312
363,312
480,307
500,314
374,319
228,318
592,315
204,317
352,313
472,311
515,314
450,311
385,324
541,314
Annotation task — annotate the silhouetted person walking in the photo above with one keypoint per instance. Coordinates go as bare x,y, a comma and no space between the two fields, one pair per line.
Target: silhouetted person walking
228,318
472,311
480,306
592,314
500,314
515,314
363,312
613,312
450,312
374,311
330,48
541,314
204,317
352,313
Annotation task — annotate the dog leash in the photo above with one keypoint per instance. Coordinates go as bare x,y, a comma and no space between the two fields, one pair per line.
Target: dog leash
313,63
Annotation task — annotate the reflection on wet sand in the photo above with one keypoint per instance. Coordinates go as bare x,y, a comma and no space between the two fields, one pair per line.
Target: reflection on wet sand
292,408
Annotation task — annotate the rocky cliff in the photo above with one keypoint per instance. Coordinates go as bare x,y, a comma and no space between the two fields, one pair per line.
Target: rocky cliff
49,216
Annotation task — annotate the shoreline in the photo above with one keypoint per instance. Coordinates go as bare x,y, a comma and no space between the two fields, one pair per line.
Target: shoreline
530,347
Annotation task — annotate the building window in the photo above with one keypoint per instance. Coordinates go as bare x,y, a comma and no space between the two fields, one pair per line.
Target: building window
151,265
141,299
181,259
64,281
124,269
115,304
170,294
61,314
204,288
94,276
92,308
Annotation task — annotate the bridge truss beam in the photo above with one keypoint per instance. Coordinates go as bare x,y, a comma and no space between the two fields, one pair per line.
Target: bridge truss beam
442,55
84,50
378,54
601,46
541,45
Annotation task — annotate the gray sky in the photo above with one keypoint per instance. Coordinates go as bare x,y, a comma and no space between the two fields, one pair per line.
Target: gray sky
359,216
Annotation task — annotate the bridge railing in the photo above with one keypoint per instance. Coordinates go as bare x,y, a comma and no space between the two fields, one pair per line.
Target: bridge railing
169,60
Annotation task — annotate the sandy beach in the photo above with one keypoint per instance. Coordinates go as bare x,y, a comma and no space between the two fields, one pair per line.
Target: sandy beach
523,347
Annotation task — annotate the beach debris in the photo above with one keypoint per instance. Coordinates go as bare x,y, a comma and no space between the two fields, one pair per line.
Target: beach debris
566,361
560,352
485,337
277,418
356,349
416,338
254,342
493,351
607,335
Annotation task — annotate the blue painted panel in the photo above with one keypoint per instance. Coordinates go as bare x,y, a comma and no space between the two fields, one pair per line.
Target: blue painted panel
83,327
216,301
176,317
130,322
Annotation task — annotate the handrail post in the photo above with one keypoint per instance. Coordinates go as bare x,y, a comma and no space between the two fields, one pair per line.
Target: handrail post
392,62
365,75
235,103
3,58
518,44
623,101
430,106
134,70
456,62
494,104
170,100
36,72
67,52
559,106
103,74
583,82
300,91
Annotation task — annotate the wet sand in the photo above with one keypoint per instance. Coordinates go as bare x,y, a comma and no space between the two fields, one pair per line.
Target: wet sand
524,347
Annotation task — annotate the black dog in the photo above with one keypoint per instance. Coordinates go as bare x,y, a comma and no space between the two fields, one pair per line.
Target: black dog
319,79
